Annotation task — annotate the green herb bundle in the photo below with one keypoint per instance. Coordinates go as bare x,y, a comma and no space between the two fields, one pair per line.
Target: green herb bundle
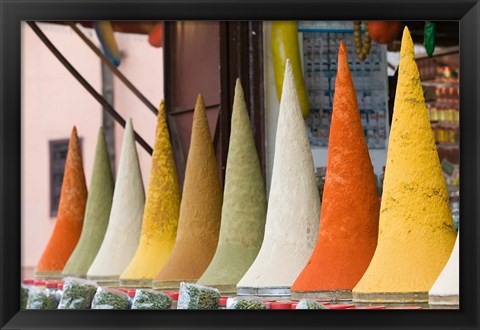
41,299
151,299
106,298
196,296
77,294
23,296
309,304
245,303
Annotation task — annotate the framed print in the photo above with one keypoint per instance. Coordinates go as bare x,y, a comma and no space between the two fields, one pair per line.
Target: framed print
166,164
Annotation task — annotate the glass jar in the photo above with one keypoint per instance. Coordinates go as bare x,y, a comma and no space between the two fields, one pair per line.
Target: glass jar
59,292
25,287
52,288
131,295
174,296
222,303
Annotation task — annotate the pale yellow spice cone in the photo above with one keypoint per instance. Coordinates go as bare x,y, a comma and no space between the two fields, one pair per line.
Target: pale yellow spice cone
416,232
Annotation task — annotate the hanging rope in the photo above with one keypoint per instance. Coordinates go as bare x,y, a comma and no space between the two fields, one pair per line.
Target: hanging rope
109,108
134,90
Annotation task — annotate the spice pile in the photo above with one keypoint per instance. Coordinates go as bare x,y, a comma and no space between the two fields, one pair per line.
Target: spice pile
195,296
77,294
309,304
245,303
151,299
107,298
41,298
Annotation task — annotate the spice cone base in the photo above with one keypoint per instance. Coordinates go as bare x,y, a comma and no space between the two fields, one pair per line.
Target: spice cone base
444,307
224,289
390,297
444,300
111,284
49,275
267,291
323,295
170,285
143,283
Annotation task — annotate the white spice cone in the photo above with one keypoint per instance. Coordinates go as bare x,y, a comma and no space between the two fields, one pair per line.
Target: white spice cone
293,206
124,226
446,289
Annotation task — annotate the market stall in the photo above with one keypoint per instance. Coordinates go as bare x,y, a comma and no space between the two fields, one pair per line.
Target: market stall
323,183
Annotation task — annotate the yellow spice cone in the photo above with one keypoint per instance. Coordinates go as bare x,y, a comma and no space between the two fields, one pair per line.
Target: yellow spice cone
160,216
200,210
416,233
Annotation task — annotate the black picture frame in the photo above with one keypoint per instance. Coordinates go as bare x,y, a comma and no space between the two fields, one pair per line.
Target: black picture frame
14,11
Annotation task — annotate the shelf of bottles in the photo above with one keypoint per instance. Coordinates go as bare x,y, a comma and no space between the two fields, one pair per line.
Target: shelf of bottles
440,81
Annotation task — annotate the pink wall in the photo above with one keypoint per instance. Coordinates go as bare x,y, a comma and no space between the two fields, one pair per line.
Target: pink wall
53,101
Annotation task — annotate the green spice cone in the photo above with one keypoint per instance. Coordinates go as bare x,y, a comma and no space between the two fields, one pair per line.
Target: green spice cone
244,205
97,213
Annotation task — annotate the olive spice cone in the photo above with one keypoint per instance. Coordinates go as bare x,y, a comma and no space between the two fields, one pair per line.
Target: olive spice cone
71,210
97,212
125,222
293,206
416,232
350,207
160,216
200,210
446,289
244,205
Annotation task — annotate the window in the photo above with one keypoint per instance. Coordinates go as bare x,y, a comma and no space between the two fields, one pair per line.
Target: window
58,154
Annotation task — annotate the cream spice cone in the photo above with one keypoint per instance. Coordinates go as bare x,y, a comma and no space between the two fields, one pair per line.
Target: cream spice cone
124,226
293,206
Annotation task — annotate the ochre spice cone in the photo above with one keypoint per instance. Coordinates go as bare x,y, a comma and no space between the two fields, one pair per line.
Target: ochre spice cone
200,210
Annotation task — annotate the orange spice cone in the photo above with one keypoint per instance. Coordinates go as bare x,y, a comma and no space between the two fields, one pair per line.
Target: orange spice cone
200,210
160,217
291,227
416,232
71,210
350,205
